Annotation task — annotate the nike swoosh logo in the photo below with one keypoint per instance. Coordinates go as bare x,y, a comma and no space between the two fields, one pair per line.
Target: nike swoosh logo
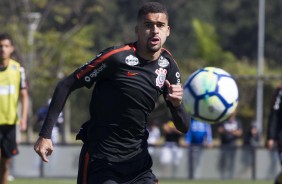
131,73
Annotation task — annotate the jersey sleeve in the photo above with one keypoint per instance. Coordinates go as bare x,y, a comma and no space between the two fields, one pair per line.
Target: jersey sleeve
174,73
23,83
179,114
96,68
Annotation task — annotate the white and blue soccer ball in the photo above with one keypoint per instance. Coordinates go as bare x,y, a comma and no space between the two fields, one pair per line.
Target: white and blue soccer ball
210,95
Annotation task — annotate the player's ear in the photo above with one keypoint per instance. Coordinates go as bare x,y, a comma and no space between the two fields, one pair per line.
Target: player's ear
168,31
12,49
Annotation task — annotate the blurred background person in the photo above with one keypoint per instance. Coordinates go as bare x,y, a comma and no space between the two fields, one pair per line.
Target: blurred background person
171,153
197,138
154,141
13,88
229,132
41,115
250,143
154,135
274,129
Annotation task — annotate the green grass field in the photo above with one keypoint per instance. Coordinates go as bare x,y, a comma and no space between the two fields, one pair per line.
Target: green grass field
73,181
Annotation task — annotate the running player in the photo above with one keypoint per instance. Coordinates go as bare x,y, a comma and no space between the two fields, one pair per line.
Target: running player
128,81
274,131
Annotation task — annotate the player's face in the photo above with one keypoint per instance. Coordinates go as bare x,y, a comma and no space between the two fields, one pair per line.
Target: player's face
152,31
6,49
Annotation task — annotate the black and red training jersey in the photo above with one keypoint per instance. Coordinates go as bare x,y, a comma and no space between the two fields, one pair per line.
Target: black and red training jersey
126,90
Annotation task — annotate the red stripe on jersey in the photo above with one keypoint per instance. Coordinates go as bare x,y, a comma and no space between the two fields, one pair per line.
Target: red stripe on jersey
92,65
85,168
170,55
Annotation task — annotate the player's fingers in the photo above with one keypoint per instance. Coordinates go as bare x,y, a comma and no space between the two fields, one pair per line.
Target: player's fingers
41,153
177,92
49,152
44,148
176,87
176,97
167,83
43,156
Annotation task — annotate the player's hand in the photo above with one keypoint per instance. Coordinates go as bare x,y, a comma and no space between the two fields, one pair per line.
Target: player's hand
43,147
175,92
23,124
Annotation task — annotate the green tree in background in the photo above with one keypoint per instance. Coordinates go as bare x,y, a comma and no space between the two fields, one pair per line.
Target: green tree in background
204,33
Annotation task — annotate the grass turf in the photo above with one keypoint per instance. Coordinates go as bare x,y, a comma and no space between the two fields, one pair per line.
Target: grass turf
162,181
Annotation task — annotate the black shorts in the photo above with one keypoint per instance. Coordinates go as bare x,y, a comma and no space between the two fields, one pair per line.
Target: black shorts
8,143
96,171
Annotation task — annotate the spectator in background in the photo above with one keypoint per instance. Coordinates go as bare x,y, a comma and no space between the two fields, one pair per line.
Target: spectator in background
229,132
154,135
198,137
13,88
250,142
274,130
41,115
171,153
154,140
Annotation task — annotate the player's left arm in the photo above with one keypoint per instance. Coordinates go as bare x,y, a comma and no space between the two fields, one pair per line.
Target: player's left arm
24,100
173,95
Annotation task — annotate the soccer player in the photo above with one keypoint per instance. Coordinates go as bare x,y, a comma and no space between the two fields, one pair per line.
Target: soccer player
12,87
128,81
274,131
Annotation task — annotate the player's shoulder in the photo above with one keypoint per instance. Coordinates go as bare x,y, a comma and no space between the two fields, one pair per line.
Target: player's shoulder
118,48
14,62
167,54
14,65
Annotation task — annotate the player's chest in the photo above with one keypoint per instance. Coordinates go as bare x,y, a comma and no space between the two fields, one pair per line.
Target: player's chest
135,70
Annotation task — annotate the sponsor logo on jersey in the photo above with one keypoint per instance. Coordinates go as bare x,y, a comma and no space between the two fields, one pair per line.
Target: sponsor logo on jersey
100,54
131,73
163,62
161,72
131,60
177,75
95,72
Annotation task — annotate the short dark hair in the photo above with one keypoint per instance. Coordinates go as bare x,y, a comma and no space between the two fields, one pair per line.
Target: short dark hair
151,7
6,36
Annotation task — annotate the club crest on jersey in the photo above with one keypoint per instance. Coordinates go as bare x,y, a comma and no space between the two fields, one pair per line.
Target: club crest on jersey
161,77
131,60
163,62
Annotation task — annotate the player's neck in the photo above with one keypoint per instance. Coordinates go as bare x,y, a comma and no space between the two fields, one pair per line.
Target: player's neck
150,56
4,62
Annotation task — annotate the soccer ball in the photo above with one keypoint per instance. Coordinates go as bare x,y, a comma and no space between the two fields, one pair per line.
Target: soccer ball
210,95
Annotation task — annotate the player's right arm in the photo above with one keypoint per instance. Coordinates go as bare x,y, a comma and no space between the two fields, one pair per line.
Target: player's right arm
86,75
43,145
